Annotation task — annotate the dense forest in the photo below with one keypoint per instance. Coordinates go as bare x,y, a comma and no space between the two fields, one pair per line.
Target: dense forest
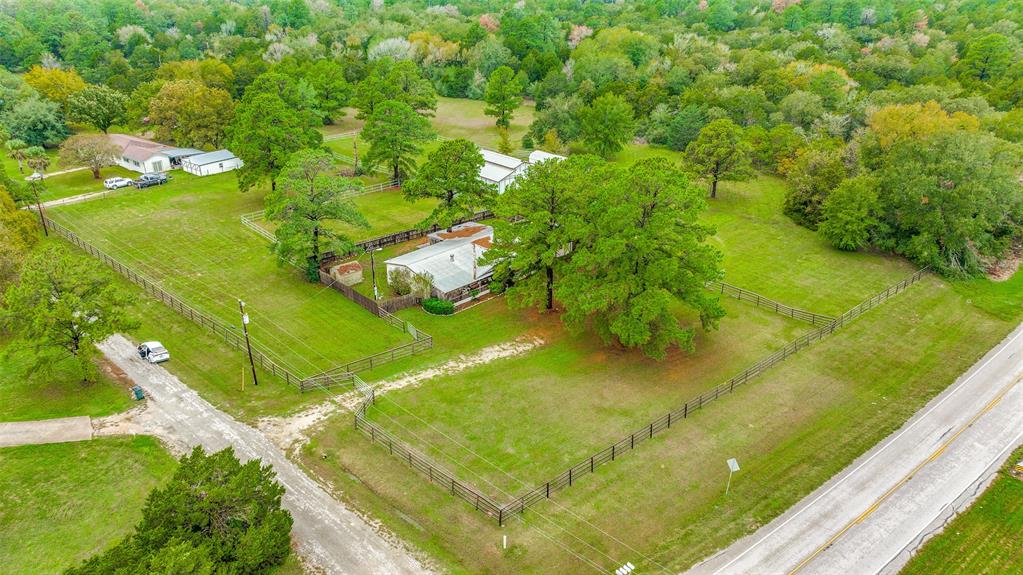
895,122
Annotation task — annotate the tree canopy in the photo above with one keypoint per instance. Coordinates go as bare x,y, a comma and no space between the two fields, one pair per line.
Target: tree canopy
309,196
395,132
451,174
216,515
64,304
720,152
643,251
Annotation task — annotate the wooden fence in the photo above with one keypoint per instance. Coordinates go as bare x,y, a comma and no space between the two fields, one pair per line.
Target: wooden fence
438,475
397,238
615,450
568,477
228,333
758,300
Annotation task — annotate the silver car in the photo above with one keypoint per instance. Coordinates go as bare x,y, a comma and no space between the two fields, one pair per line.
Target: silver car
153,352
116,183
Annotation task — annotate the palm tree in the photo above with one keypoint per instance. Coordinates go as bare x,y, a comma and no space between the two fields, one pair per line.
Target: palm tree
16,151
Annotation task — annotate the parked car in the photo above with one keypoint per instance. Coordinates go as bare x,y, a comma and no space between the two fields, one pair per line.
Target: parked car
153,352
151,179
115,183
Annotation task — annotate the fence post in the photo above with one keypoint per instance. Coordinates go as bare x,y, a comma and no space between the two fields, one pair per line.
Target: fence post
669,420
570,477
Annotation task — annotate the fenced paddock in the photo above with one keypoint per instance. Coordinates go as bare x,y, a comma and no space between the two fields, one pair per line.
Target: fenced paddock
567,478
230,334
233,336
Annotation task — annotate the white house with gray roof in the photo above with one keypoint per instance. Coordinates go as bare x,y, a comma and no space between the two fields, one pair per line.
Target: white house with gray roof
144,156
210,163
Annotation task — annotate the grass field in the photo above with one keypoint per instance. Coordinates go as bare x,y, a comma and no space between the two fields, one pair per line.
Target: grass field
58,392
62,503
985,539
766,252
187,236
79,182
791,429
527,417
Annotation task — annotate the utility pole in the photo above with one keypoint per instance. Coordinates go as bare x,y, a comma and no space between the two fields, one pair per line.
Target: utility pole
248,346
39,207
373,274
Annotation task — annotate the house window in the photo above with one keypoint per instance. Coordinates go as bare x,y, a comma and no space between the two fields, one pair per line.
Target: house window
158,165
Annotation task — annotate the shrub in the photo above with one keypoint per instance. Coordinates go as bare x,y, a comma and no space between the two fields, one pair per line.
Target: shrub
496,287
438,306
400,280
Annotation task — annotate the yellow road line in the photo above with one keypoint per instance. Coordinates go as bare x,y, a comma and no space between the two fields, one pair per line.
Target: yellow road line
937,453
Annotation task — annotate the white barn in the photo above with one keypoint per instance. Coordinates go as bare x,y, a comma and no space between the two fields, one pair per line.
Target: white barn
212,163
537,156
500,170
143,156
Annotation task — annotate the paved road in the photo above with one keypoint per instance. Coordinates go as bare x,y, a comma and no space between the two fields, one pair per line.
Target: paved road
46,431
873,515
329,535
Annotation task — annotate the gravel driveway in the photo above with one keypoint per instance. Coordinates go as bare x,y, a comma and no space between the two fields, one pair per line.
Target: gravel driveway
329,535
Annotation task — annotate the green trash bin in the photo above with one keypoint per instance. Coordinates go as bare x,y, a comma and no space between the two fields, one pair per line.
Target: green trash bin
137,392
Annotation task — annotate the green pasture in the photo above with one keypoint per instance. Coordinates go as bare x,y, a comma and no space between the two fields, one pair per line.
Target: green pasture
62,503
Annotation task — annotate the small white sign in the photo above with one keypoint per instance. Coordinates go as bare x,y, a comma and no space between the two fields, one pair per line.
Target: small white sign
733,465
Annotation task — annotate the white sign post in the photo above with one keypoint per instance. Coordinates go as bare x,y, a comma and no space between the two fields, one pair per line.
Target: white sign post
733,466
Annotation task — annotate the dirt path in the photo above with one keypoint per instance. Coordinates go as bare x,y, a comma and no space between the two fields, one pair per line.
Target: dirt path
292,432
58,430
79,198
330,537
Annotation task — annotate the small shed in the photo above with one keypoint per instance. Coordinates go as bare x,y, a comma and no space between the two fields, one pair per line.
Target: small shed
347,273
212,163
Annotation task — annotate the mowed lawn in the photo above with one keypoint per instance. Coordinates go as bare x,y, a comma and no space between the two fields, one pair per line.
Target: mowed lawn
664,504
62,503
512,423
987,539
766,252
187,236
56,391
79,182
386,212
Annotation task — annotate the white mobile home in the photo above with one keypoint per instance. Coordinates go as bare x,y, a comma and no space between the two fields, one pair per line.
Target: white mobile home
212,163
450,259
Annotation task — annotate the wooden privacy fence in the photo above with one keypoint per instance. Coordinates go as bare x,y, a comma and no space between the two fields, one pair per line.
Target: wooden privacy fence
769,304
229,334
398,238
565,479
